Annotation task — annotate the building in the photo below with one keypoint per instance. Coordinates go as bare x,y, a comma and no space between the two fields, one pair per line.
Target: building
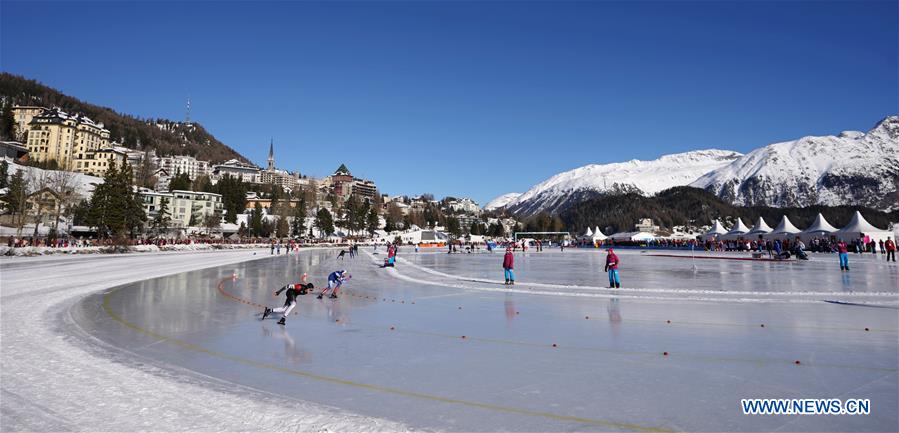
54,135
183,205
96,162
343,184
152,202
465,205
22,114
193,167
645,225
234,168
13,150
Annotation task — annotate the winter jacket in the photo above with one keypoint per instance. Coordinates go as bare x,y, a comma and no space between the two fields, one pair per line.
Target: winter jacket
611,261
508,261
841,247
891,246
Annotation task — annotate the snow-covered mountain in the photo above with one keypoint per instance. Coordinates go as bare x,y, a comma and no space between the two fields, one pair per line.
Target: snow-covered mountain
502,200
646,177
853,168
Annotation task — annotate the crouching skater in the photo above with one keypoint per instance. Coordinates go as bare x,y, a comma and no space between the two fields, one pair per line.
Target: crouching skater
335,280
292,291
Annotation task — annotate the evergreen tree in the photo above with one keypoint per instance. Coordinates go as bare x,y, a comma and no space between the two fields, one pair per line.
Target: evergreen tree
4,174
202,184
298,228
256,226
389,224
115,208
181,182
7,122
282,227
80,212
234,196
452,226
15,199
475,229
372,221
135,216
324,222
163,217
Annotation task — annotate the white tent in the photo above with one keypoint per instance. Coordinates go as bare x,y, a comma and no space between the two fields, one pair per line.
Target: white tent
738,231
716,231
632,236
598,235
820,228
588,233
760,228
785,229
858,227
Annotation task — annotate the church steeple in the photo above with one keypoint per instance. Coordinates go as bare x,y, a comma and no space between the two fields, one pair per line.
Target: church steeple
271,155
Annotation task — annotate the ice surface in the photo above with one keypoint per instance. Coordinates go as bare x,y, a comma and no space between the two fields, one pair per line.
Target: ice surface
391,347
55,377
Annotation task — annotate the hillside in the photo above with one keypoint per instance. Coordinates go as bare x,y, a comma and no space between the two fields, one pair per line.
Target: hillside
850,168
693,206
559,192
169,138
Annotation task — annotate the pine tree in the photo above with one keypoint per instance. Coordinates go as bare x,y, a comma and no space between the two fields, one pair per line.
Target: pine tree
15,199
163,217
4,174
256,226
298,228
234,196
372,222
181,182
7,122
452,226
324,222
135,216
389,224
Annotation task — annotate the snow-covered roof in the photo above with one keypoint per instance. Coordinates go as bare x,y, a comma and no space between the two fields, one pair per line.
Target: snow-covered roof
785,227
820,225
858,225
760,228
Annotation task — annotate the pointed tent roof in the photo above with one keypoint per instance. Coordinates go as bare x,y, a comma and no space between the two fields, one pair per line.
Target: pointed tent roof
739,228
588,233
820,225
785,227
717,229
760,228
858,225
599,235
343,170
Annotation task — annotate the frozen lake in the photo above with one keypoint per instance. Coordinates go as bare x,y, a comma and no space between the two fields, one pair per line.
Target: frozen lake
558,352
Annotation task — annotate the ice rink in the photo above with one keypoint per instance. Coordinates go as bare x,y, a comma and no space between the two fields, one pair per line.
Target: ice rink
439,343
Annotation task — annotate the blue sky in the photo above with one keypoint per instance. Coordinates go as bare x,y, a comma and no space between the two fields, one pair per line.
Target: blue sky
470,98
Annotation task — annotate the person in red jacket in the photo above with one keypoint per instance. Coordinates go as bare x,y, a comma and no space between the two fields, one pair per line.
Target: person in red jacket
508,266
891,249
843,251
612,268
